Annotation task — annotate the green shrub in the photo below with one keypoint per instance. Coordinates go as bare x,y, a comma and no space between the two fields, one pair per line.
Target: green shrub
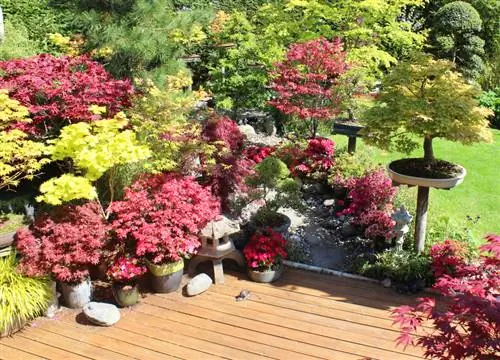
17,44
347,166
21,298
404,268
491,100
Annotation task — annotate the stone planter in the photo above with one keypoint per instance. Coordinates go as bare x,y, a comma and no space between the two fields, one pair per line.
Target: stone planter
76,296
166,278
282,229
126,294
449,183
267,276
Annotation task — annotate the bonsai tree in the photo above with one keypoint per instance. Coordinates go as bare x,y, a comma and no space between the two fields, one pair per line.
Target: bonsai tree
423,99
307,82
272,183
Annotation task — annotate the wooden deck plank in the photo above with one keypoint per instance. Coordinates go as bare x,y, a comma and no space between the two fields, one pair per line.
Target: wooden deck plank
73,347
303,316
228,335
9,353
100,338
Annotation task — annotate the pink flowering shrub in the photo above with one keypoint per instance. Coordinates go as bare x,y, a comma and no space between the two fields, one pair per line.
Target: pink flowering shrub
163,215
307,81
468,326
59,90
265,250
448,258
63,243
125,270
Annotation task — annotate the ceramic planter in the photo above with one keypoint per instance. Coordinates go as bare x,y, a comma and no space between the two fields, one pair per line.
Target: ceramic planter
449,183
76,296
267,276
166,278
126,294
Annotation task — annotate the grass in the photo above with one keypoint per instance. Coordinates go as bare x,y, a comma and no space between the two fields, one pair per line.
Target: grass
478,195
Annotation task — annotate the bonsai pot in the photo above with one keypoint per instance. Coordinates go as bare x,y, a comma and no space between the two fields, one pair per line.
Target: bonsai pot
427,179
266,276
126,294
76,296
348,128
281,224
166,278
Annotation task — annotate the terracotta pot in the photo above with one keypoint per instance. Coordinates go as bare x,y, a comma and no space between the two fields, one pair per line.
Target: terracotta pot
126,294
76,296
166,278
426,182
267,276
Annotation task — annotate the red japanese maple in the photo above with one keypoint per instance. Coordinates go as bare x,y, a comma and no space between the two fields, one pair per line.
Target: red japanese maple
163,215
224,131
469,326
63,242
60,90
306,82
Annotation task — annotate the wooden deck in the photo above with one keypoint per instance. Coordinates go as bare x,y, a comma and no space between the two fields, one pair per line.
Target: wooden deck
302,316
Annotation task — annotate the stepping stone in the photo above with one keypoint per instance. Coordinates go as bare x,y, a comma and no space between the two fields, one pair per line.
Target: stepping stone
102,314
199,284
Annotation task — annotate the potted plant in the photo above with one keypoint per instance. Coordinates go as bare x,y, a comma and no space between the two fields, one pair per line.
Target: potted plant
423,99
23,298
160,218
264,254
125,273
273,184
63,243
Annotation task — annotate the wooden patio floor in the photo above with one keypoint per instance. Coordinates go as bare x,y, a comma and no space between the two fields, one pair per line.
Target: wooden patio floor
302,316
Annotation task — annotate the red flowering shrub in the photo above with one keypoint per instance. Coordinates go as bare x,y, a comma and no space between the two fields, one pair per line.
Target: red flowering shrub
306,82
60,90
125,269
63,243
258,153
222,129
163,214
448,258
316,159
469,326
370,203
265,250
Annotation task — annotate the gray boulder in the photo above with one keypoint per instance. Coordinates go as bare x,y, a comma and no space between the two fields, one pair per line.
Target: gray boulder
199,284
101,314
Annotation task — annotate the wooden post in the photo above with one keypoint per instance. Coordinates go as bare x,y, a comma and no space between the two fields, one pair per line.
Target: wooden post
421,217
351,145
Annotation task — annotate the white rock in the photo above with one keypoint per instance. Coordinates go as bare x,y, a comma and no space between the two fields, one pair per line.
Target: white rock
102,314
329,202
387,282
199,284
247,130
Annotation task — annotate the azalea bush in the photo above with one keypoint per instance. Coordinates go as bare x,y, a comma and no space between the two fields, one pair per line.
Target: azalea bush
265,250
61,90
307,82
258,153
162,215
317,159
63,243
467,326
125,270
370,203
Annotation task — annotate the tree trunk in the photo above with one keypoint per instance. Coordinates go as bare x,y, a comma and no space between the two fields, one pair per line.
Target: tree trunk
428,151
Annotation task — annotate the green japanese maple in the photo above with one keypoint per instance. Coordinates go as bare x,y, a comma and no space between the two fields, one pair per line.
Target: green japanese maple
425,99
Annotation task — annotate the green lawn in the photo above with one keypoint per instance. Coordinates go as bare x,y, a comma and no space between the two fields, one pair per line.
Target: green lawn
479,194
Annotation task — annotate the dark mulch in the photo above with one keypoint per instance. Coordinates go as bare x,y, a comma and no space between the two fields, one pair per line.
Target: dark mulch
418,167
